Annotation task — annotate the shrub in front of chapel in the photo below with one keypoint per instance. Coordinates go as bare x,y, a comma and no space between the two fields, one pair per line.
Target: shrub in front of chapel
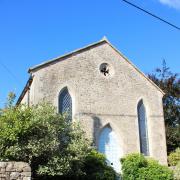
174,157
54,147
96,168
174,161
137,167
43,138
176,171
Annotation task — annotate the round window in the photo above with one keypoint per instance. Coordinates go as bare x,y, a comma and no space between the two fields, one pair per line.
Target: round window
105,69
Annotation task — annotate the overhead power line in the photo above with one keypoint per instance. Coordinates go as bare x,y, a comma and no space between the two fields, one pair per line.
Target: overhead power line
10,72
151,14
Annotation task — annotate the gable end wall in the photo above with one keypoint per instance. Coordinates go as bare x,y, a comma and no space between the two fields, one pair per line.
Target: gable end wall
99,100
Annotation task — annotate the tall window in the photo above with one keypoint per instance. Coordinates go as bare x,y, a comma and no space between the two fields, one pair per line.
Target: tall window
143,129
65,103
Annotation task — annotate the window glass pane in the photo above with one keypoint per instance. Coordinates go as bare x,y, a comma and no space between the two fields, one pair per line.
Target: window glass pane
143,133
65,103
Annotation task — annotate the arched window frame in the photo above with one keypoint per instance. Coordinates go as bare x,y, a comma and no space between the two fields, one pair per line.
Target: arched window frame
143,141
119,143
59,101
100,133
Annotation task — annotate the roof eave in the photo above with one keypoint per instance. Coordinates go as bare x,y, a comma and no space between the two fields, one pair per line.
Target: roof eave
26,88
104,40
136,68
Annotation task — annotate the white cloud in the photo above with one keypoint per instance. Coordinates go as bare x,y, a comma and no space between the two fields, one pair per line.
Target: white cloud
172,3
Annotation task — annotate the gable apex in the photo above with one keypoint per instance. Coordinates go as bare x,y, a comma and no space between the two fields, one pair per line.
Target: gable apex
104,38
102,41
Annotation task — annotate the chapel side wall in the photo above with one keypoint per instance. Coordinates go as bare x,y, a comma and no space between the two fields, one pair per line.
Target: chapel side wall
158,148
25,99
99,100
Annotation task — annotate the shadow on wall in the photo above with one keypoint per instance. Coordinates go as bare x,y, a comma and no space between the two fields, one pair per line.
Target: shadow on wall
96,128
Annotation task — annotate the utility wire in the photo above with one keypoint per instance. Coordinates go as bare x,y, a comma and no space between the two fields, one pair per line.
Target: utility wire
153,15
10,72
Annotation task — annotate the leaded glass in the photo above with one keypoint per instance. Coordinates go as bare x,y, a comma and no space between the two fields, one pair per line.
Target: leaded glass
143,130
65,103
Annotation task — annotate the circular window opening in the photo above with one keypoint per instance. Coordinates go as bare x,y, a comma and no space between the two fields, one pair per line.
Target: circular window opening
105,69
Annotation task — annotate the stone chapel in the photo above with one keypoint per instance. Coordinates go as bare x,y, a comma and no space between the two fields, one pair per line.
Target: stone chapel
117,105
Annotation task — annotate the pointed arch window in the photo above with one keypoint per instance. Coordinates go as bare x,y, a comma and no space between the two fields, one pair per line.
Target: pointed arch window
109,146
65,103
143,129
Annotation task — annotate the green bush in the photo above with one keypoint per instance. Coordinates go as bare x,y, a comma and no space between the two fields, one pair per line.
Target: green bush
95,167
92,167
174,157
174,160
177,171
137,167
54,147
43,138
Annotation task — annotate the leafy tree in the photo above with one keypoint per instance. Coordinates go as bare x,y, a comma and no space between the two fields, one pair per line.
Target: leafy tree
53,146
10,100
41,137
170,83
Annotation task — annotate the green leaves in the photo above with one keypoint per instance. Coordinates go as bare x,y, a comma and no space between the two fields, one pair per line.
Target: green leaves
174,157
38,135
170,83
137,167
50,143
95,167
25,132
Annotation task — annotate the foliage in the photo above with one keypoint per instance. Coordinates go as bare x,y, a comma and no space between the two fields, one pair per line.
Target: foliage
154,171
174,157
177,171
95,167
137,167
174,160
53,146
10,100
170,83
41,137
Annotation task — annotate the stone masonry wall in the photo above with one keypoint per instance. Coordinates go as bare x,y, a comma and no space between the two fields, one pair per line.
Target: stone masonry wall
15,170
98,100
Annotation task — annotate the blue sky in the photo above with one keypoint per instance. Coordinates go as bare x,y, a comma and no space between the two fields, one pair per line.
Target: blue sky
37,30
